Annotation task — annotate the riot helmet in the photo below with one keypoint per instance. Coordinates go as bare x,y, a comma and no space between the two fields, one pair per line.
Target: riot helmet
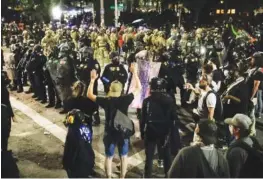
13,39
166,56
14,48
85,53
37,49
54,52
31,43
158,85
64,50
115,57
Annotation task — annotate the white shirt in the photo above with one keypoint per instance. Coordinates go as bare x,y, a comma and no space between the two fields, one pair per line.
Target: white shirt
210,103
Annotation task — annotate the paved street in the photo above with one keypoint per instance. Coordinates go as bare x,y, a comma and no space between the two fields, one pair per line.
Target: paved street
38,136
37,141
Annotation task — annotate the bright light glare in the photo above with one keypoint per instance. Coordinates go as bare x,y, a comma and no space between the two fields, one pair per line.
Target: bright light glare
203,50
56,12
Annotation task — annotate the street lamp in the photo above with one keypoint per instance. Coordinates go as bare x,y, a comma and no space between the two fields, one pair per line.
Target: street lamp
56,12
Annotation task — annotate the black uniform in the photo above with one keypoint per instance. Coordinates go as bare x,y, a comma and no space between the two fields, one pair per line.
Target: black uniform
113,72
50,75
177,69
20,70
36,73
65,77
52,93
84,66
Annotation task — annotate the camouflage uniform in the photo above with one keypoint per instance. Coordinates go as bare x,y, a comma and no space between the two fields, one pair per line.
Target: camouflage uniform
75,36
171,40
59,36
93,37
183,44
48,42
128,36
147,39
26,36
198,35
113,41
154,37
102,42
160,42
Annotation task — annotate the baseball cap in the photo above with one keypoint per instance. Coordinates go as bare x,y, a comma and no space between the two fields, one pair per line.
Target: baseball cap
207,131
115,89
239,120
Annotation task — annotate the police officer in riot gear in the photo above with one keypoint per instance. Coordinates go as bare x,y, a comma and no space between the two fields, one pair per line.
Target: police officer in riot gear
114,71
65,76
166,73
22,66
35,68
20,70
172,70
50,69
84,66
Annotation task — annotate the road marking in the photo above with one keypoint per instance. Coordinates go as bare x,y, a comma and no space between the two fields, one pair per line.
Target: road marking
60,133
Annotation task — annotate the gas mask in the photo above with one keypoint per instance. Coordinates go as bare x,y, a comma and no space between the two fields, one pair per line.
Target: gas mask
116,60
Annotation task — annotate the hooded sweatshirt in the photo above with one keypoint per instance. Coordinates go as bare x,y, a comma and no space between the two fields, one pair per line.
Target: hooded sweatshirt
164,105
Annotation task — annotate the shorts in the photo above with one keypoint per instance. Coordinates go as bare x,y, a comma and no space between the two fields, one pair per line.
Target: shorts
110,143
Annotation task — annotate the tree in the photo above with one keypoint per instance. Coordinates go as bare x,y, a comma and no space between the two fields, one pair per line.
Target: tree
34,10
195,6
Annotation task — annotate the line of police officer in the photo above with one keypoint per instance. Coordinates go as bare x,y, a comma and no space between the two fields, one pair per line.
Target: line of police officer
68,55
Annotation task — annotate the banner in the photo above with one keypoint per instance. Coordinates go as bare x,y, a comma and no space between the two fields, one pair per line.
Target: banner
146,71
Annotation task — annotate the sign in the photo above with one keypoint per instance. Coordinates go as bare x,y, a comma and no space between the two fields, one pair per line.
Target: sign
146,71
120,7
102,11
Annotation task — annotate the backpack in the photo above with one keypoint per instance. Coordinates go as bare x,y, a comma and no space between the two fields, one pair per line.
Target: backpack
121,125
158,122
219,173
253,167
78,157
218,114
